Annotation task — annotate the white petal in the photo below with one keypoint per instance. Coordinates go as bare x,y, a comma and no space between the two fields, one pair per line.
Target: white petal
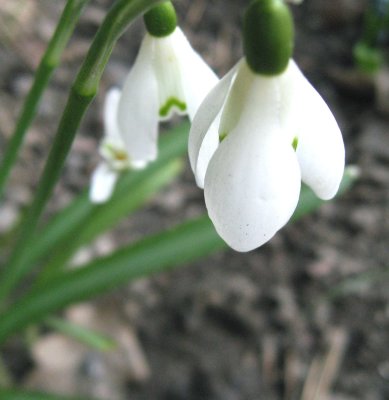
207,150
200,146
320,149
138,107
252,182
197,77
102,184
111,105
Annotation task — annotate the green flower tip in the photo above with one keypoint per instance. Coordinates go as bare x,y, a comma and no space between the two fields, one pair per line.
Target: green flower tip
268,36
161,20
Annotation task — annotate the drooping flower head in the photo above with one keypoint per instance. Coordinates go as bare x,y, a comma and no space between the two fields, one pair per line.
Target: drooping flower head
260,131
168,76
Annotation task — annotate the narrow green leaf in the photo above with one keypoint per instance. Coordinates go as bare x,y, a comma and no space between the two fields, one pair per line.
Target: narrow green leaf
78,214
183,244
82,92
48,63
309,202
105,216
17,394
84,335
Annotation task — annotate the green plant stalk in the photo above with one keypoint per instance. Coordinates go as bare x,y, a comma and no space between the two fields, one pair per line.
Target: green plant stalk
156,253
82,334
48,64
82,93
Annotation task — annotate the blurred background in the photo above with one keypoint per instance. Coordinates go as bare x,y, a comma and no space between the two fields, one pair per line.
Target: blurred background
305,317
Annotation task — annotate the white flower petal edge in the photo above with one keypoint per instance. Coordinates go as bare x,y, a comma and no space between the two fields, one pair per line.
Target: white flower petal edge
320,148
102,183
193,66
252,183
111,104
138,107
204,135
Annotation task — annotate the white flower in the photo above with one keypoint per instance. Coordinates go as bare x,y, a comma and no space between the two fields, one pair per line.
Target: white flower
168,75
113,152
273,132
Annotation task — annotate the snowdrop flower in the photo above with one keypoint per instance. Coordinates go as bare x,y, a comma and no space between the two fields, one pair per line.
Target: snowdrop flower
260,131
168,76
113,152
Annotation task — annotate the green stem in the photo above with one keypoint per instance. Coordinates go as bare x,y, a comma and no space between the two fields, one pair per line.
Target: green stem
82,93
48,64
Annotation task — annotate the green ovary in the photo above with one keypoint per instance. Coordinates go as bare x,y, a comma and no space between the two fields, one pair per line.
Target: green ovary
171,102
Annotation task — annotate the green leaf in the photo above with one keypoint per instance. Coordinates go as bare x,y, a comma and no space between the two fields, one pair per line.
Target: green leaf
103,217
83,221
84,335
17,394
309,202
185,243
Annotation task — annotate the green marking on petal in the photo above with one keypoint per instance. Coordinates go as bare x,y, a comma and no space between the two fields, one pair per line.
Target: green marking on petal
170,103
222,136
115,153
295,143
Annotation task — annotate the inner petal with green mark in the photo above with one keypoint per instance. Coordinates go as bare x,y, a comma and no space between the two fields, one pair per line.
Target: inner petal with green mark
167,69
222,136
115,156
170,105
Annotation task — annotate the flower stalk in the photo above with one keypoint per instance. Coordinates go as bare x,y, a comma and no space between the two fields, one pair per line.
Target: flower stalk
81,95
48,64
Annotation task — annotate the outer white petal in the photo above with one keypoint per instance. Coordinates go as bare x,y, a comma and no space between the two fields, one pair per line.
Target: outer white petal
138,107
252,182
111,104
203,135
320,149
102,183
207,150
197,77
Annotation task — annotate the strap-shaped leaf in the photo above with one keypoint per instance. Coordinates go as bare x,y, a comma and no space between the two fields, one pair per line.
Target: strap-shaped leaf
17,394
83,221
185,243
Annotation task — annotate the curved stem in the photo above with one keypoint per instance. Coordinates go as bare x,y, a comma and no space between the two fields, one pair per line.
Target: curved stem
82,93
48,64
